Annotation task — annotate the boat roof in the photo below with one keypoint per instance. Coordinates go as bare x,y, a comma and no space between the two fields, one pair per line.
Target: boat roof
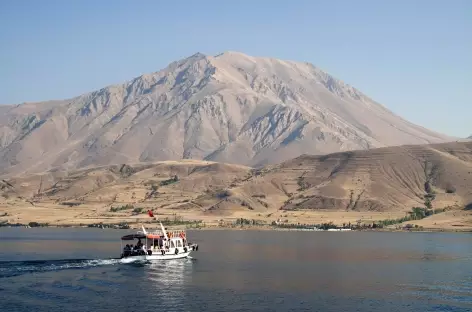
152,234
133,236
143,236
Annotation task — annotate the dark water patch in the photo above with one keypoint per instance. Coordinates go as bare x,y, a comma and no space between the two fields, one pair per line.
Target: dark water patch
241,271
458,292
68,287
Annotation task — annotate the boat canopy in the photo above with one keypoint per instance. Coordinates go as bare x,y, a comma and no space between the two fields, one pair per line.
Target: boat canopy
142,236
155,235
133,236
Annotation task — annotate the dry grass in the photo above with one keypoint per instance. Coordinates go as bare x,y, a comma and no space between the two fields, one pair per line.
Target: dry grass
344,187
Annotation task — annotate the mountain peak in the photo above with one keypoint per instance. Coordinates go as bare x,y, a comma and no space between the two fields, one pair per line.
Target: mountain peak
232,53
197,55
231,108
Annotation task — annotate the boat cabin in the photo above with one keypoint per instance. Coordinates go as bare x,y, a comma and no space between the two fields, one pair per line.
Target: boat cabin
155,242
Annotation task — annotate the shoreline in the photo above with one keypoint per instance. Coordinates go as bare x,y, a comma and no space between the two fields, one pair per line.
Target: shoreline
133,227
99,216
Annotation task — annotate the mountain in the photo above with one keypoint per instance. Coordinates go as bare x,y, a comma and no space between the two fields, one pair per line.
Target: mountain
381,183
230,108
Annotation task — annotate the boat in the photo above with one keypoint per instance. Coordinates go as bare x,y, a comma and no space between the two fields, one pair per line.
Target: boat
156,245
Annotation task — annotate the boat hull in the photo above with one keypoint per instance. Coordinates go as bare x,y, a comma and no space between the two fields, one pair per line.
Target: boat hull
154,257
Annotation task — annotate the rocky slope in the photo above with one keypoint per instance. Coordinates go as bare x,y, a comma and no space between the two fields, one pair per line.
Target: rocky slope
383,180
229,108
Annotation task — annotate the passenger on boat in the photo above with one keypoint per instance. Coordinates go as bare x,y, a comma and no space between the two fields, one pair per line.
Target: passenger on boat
126,250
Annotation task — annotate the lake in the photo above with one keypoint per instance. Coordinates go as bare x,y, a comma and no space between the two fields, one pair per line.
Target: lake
52,269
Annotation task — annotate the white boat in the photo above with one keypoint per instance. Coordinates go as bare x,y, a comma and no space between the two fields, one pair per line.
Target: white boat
156,245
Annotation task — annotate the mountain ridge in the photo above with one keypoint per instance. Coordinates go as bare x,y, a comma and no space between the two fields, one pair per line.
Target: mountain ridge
228,108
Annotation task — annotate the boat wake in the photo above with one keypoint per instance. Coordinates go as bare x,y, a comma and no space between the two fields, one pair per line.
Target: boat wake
15,268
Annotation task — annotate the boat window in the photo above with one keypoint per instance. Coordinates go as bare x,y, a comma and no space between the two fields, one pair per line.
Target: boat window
172,245
179,243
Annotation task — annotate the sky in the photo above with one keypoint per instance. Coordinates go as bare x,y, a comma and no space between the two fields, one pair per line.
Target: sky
412,56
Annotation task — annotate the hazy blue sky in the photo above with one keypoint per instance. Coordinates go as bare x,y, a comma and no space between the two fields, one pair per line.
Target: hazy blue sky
413,56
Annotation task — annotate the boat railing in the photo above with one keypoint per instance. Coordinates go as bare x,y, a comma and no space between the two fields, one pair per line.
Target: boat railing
175,233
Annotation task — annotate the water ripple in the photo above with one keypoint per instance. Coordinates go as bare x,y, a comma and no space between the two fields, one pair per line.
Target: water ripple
15,268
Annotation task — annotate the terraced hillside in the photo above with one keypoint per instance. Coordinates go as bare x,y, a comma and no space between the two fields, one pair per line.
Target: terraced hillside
384,179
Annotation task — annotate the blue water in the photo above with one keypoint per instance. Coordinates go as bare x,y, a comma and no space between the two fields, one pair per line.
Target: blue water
75,270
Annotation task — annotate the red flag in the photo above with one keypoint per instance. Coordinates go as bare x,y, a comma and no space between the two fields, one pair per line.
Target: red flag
150,213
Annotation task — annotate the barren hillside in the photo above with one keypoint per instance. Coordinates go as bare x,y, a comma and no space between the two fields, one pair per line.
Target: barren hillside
230,108
383,179
383,182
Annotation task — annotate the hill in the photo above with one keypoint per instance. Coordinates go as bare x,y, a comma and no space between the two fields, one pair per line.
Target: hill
230,108
374,184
